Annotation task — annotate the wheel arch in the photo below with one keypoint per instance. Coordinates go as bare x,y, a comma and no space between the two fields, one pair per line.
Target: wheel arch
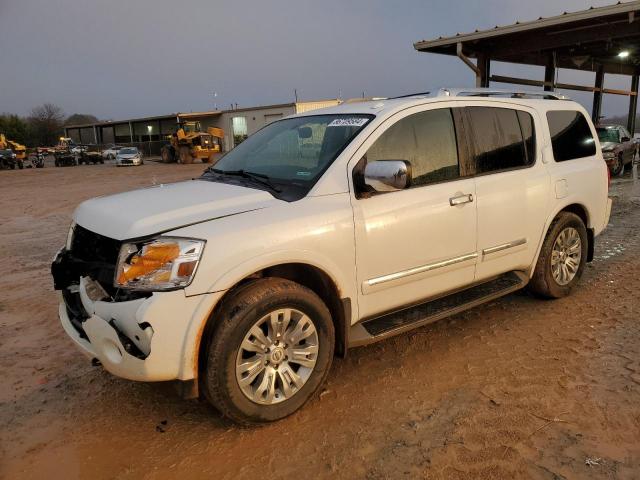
306,274
581,211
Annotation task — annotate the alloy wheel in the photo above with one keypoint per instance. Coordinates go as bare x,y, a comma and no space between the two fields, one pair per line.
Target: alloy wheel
277,356
566,255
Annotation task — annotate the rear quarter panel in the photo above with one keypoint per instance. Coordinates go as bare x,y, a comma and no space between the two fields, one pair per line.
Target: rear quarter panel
582,181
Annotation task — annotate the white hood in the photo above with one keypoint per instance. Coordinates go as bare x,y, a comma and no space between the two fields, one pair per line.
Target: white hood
167,207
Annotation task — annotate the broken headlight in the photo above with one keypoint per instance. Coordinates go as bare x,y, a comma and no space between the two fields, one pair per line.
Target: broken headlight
164,263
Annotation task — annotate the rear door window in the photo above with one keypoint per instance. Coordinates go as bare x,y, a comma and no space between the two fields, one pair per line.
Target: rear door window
571,136
501,139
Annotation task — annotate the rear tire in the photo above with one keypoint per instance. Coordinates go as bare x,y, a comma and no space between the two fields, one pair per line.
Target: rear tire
562,257
254,309
167,154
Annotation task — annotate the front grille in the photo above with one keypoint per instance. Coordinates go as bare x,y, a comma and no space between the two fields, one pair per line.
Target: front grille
98,256
92,247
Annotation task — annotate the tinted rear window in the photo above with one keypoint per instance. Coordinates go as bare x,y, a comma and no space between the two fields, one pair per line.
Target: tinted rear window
497,139
570,135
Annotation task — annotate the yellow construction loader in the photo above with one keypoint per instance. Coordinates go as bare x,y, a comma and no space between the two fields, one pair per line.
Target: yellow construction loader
189,142
19,150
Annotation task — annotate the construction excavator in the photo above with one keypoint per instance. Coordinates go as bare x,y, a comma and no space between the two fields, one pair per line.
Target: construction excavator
19,150
189,143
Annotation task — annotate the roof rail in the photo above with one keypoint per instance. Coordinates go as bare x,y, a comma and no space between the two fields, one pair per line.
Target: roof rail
489,92
408,95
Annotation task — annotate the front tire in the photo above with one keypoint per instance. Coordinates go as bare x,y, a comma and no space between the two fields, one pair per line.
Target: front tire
562,258
185,155
270,351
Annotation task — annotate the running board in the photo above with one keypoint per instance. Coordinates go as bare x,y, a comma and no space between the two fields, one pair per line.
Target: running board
409,318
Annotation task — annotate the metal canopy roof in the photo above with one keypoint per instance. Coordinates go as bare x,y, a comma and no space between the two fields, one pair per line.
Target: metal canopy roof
580,40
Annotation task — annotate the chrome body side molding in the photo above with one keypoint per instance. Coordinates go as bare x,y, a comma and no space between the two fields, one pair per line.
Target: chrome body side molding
422,269
504,246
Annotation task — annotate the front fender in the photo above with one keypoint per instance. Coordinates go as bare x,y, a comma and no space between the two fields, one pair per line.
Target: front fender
228,279
220,286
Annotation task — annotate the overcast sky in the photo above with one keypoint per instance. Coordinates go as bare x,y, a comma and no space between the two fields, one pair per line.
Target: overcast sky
123,58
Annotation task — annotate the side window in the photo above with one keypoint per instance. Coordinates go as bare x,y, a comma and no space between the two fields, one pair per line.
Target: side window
427,140
571,136
501,139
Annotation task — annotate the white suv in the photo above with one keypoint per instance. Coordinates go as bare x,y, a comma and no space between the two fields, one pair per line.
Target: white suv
332,229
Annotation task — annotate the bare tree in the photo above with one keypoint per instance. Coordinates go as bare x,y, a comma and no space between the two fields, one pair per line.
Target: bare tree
46,123
80,119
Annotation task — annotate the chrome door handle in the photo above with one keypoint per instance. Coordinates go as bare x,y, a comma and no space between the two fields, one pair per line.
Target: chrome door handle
460,199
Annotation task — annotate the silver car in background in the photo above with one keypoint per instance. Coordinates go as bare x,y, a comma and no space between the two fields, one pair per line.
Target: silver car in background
129,156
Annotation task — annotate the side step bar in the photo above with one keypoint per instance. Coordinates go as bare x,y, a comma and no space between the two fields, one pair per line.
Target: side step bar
400,321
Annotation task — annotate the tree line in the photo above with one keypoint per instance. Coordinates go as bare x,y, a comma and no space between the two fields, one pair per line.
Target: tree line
42,127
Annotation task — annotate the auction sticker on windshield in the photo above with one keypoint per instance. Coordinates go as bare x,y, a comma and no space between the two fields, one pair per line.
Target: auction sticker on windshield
348,122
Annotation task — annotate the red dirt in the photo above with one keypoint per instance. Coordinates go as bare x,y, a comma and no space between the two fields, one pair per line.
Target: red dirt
474,396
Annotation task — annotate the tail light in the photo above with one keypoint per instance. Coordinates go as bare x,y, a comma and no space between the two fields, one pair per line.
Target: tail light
608,178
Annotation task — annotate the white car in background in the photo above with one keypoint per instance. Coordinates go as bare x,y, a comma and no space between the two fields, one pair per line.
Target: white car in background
78,149
328,230
129,156
110,152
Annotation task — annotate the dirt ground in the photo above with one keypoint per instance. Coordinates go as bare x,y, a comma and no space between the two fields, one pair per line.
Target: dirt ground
519,388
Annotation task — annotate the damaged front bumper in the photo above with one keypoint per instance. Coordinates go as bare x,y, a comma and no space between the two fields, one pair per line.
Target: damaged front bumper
147,339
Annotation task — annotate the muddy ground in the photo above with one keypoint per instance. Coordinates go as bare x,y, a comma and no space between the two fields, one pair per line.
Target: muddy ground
519,388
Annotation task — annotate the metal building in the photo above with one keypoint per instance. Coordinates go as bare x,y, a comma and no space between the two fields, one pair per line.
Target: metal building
604,40
150,133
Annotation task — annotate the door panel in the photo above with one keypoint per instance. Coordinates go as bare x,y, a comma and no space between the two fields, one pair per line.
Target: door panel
413,244
419,242
512,188
512,210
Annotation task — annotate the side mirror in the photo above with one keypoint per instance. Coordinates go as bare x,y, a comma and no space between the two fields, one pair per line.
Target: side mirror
625,139
388,175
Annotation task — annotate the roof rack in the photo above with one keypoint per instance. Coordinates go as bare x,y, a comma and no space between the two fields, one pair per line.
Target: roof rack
408,95
487,92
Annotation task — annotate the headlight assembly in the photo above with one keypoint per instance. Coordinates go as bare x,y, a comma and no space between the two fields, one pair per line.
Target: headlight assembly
164,263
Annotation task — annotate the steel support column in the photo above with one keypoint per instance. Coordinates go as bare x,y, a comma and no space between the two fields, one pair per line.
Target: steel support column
597,95
633,104
484,66
550,74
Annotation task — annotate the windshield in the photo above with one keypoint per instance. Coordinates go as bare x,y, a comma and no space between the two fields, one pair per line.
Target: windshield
189,127
608,135
128,151
293,153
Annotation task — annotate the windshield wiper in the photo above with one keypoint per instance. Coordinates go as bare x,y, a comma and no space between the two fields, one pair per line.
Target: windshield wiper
260,178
